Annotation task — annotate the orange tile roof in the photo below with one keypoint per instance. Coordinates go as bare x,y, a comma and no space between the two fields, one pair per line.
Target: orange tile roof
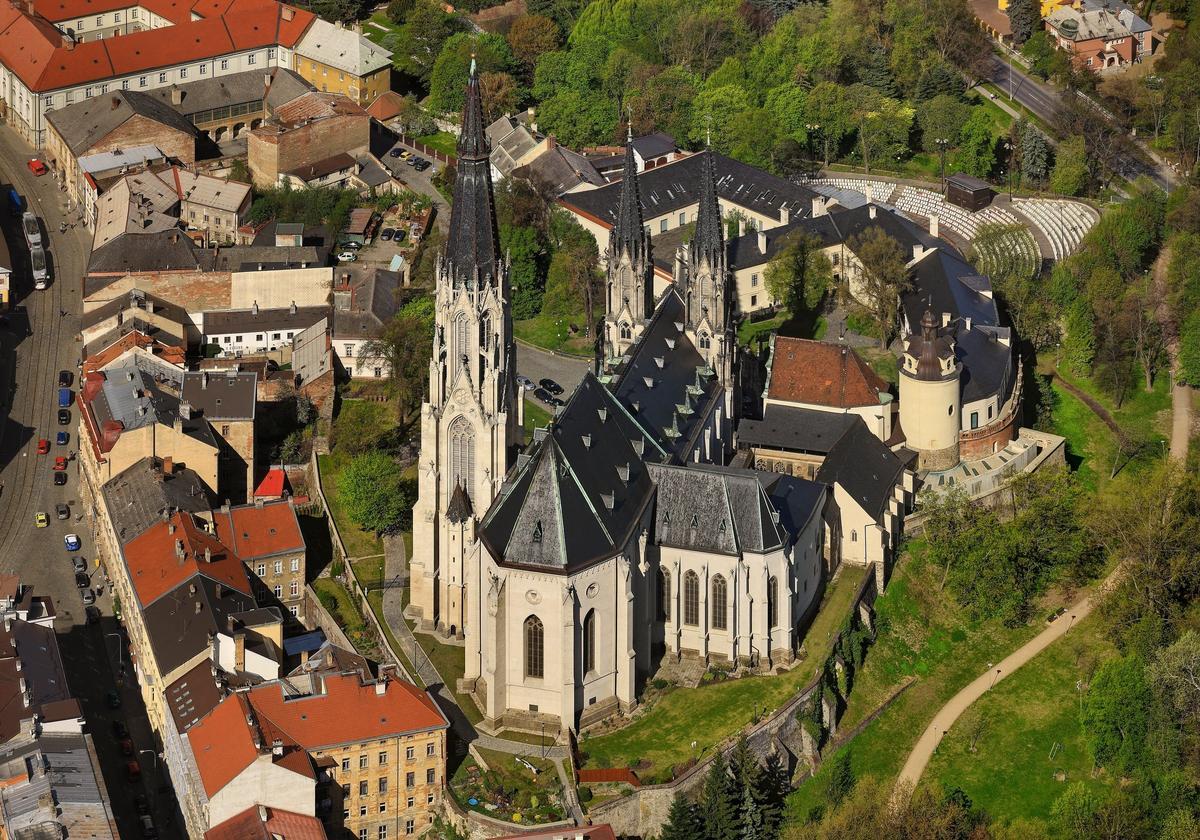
253,531
171,353
817,373
348,711
250,825
386,105
156,568
44,59
223,743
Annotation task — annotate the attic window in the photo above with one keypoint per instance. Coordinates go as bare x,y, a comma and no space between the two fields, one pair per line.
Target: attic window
666,517
722,528
695,520
537,531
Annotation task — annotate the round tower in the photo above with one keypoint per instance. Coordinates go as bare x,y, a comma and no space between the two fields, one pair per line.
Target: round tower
930,402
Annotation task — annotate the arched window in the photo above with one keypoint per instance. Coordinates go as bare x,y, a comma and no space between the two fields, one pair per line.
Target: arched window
626,330
853,536
485,332
664,595
772,601
589,642
705,341
691,599
535,641
462,339
462,456
718,603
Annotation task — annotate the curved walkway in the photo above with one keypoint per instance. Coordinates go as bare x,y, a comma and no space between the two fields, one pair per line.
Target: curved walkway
918,759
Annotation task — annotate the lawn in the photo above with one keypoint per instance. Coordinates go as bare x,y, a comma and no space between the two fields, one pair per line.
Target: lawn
1017,726
709,714
923,637
378,27
514,791
375,599
345,612
750,333
359,543
535,417
450,663
553,332
442,141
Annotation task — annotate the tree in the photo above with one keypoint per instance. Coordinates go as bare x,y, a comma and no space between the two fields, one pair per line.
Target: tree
750,817
373,493
1074,812
1141,304
524,252
713,114
577,117
1175,675
1035,155
1188,370
1070,175
663,102
703,39
1023,17
447,89
799,276
397,10
938,78
883,124
976,153
420,39
841,779
683,821
828,109
1079,344
562,12
403,347
719,802
1115,713
884,278
499,94
941,118
531,37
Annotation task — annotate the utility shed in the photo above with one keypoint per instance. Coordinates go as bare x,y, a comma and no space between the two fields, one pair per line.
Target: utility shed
968,192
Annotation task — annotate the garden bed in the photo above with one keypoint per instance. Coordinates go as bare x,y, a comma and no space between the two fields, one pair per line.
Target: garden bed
508,789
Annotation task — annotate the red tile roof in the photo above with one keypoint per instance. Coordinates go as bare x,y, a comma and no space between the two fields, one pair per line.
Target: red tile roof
817,373
251,825
155,566
44,59
386,105
273,483
223,743
347,711
254,532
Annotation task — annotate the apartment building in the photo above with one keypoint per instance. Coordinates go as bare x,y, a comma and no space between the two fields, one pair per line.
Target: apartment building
214,206
226,401
266,535
339,60
306,133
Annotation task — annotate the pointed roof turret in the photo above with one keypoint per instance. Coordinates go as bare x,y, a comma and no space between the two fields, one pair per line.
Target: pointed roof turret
472,250
709,241
628,234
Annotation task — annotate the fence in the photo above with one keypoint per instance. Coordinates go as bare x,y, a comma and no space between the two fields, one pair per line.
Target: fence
414,143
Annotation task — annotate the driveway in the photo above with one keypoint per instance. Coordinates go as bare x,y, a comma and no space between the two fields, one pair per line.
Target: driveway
383,140
538,364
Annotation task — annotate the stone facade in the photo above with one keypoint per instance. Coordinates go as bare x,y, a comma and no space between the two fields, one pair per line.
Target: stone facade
274,148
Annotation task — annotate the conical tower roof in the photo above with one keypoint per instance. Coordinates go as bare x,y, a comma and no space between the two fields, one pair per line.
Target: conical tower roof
473,247
628,232
709,241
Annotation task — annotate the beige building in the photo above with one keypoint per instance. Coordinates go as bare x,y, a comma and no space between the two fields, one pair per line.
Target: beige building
227,402
266,535
214,206
335,59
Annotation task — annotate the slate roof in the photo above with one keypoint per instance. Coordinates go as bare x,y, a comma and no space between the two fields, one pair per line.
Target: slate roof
181,622
795,429
865,468
713,509
988,365
262,320
236,89
372,303
86,123
164,250
139,496
654,145
559,169
193,695
473,245
629,234
229,395
676,185
581,492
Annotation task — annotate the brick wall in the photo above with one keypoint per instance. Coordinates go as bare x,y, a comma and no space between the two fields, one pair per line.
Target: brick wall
141,131
271,151
197,290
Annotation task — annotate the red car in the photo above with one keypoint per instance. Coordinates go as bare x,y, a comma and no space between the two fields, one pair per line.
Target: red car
37,167
43,447
133,771
126,747
60,464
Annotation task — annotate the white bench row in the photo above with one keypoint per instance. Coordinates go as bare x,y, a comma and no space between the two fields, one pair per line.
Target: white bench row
877,191
1063,222
962,222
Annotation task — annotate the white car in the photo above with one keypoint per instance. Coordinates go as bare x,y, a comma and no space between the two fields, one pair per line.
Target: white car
72,542
526,383
347,256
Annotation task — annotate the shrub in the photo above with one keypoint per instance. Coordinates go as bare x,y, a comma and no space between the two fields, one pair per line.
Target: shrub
585,794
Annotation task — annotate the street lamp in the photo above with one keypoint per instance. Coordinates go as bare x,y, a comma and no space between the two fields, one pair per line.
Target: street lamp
153,755
1008,146
942,143
120,653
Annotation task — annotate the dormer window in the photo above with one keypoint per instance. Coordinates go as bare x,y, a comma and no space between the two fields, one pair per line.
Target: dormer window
537,531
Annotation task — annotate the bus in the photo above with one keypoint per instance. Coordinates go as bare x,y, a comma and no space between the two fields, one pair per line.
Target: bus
41,274
33,232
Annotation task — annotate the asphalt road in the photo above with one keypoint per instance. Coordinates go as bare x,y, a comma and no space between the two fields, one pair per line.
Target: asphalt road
36,343
383,140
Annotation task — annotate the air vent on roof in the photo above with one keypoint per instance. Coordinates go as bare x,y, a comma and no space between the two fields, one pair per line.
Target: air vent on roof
660,361
587,441
603,412
775,516
721,529
609,500
649,380
623,472
670,344
639,446
695,520
537,531
679,326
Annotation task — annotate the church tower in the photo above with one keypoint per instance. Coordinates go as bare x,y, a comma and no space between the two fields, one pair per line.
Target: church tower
703,278
630,271
472,420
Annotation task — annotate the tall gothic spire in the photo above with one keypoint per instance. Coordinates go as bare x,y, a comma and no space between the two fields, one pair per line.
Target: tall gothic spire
628,234
473,249
709,240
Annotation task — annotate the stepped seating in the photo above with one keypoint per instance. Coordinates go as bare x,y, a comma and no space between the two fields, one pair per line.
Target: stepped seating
1064,223
916,201
879,192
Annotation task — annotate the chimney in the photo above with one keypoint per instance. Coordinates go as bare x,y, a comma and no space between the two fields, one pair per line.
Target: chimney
254,308
277,747
287,13
208,556
67,41
179,549
820,206
185,410
262,813
178,425
741,227
381,686
533,120
762,241
292,308
918,251
170,527
934,226
168,465
871,210
267,81
239,650
204,380
258,503
116,102
176,96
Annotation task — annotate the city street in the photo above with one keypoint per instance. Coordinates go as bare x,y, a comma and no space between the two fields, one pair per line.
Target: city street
37,342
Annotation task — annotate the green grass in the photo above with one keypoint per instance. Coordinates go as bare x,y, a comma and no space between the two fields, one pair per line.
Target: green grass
552,332
711,713
923,637
375,599
450,663
442,141
359,543
1010,773
535,417
510,785
749,331
375,34
1001,120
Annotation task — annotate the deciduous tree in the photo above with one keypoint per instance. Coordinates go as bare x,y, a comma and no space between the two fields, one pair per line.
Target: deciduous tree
883,280
531,37
373,493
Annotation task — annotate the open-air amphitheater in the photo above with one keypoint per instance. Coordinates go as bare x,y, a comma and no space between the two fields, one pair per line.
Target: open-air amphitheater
1056,225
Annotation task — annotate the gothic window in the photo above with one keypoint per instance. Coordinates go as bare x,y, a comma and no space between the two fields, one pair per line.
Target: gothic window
462,456
485,332
691,599
705,341
718,603
664,595
626,331
462,341
589,642
772,601
535,641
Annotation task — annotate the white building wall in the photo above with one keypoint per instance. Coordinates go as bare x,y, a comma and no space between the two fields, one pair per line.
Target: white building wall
263,783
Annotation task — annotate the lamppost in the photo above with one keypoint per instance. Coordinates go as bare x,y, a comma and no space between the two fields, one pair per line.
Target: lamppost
1008,146
942,143
120,652
814,128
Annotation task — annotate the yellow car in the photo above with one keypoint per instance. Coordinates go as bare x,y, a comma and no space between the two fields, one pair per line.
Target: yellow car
41,520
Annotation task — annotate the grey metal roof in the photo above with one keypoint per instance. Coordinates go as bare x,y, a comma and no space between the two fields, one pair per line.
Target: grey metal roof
179,622
228,395
236,89
86,123
134,395
141,495
713,509
865,468
654,145
472,254
795,429
253,257
159,251
220,322
373,302
988,365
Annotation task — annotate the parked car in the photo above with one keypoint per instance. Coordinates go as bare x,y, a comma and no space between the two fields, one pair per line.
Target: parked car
62,511
92,613
43,446
71,541
399,235
396,152
412,161
422,165
386,234
62,438
543,395
82,581
556,402
64,397
40,519
526,383
141,804
406,154
60,478
551,386
87,596
60,463
347,256
64,417
79,564
351,246
113,700
133,771
127,747
64,379
37,167
119,729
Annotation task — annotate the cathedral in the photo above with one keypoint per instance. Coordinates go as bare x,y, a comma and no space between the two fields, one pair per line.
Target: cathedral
570,566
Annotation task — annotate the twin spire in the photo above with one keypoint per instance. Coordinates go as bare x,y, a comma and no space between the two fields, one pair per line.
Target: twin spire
709,240
629,233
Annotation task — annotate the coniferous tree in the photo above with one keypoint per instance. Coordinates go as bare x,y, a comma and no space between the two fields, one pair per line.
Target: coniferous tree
683,821
1023,17
873,71
719,802
773,786
749,816
1035,155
